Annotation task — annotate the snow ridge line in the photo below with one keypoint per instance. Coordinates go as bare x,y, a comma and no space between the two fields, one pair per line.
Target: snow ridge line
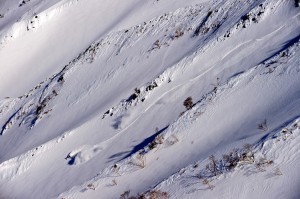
141,94
32,20
95,50
32,110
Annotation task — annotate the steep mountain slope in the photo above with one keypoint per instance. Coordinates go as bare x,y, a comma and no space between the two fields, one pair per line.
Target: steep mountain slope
92,92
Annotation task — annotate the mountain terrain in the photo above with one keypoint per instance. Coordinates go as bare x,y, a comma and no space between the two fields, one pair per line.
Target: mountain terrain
149,99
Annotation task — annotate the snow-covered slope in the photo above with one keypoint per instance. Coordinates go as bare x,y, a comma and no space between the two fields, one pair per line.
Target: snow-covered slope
92,92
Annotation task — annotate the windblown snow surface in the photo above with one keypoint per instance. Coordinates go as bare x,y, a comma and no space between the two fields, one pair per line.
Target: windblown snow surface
92,93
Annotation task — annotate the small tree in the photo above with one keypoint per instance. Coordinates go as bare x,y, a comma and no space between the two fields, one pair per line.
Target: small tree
188,103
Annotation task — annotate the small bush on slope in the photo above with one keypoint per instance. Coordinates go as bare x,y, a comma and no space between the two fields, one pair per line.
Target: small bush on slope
139,161
263,126
154,194
188,103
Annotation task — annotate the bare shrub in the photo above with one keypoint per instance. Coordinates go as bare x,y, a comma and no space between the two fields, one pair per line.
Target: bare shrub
247,148
247,155
188,103
199,176
158,140
263,126
178,33
286,131
125,195
231,160
91,186
277,172
115,169
173,139
139,160
296,125
155,194
262,163
152,145
61,79
216,84
205,30
157,44
136,90
114,182
206,182
212,166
